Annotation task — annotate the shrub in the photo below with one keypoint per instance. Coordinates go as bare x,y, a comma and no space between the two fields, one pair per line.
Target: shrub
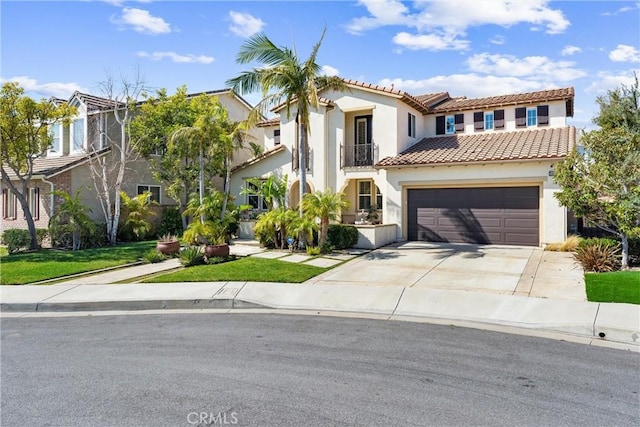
220,259
592,241
313,250
152,256
171,221
569,245
342,236
16,239
191,256
599,257
41,235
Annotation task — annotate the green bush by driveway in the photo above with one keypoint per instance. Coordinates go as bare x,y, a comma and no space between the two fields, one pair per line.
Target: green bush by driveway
248,269
618,286
30,267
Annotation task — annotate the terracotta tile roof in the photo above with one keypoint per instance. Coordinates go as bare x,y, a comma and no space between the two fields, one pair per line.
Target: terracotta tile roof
457,104
432,99
271,122
406,97
256,159
546,143
49,166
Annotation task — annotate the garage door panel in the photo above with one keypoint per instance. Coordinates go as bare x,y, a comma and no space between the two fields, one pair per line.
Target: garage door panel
507,215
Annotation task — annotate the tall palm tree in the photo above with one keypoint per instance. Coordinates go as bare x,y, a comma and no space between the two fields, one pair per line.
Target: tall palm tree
283,77
326,206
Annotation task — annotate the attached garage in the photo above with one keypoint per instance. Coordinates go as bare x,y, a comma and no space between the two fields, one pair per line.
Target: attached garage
484,215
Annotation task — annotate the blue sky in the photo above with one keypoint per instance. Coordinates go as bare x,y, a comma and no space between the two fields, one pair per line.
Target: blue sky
470,48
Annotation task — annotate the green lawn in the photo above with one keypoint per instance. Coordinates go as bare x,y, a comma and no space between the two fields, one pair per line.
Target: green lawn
618,286
21,268
243,270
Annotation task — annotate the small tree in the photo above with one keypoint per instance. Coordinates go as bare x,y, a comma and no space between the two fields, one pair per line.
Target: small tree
108,171
71,216
325,206
602,183
272,190
138,210
24,137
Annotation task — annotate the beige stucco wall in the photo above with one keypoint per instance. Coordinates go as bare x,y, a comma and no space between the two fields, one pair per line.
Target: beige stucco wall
552,215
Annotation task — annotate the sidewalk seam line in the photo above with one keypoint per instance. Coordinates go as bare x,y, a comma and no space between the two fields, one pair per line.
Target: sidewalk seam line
233,300
433,268
595,319
398,303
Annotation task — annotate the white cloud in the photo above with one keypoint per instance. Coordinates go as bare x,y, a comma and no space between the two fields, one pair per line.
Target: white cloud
383,12
328,70
176,57
499,40
244,24
532,67
436,21
570,50
471,85
430,42
462,14
142,21
57,89
608,81
624,53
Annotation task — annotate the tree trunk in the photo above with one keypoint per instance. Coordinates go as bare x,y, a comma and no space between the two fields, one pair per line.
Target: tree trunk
227,184
625,252
24,203
324,227
302,160
201,183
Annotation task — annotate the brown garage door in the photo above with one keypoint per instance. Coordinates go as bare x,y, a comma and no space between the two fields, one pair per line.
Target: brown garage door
498,215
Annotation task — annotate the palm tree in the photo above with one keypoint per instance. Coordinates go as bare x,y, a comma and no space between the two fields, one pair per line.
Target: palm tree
138,210
205,134
326,206
231,140
70,216
294,81
273,190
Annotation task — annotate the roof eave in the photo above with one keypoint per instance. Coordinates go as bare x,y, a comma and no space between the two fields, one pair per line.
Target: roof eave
475,162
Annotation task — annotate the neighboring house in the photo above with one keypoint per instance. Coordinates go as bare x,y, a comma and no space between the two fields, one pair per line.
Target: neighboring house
436,168
66,166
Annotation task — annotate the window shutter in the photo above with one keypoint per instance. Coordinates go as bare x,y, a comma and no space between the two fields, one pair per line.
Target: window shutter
478,120
498,117
543,114
409,124
521,117
440,125
459,120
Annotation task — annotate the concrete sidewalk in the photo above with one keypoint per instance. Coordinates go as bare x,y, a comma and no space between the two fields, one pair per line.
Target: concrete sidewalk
514,287
618,323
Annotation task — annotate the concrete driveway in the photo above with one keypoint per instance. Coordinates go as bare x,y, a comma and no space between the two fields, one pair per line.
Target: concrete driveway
516,270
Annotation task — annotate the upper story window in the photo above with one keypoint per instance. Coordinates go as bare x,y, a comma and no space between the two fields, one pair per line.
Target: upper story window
532,117
488,121
412,125
153,189
450,124
56,139
77,135
276,137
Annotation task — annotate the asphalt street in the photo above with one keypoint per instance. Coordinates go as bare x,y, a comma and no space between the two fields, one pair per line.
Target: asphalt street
281,370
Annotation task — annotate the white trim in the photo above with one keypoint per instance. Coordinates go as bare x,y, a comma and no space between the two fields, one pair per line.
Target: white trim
72,145
360,108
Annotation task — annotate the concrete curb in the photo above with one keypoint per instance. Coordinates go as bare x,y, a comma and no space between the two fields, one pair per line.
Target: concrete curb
610,322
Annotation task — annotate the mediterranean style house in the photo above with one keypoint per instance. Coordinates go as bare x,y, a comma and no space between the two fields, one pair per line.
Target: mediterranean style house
429,167
90,134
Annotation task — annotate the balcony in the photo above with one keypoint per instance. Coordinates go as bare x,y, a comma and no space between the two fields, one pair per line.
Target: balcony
358,155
